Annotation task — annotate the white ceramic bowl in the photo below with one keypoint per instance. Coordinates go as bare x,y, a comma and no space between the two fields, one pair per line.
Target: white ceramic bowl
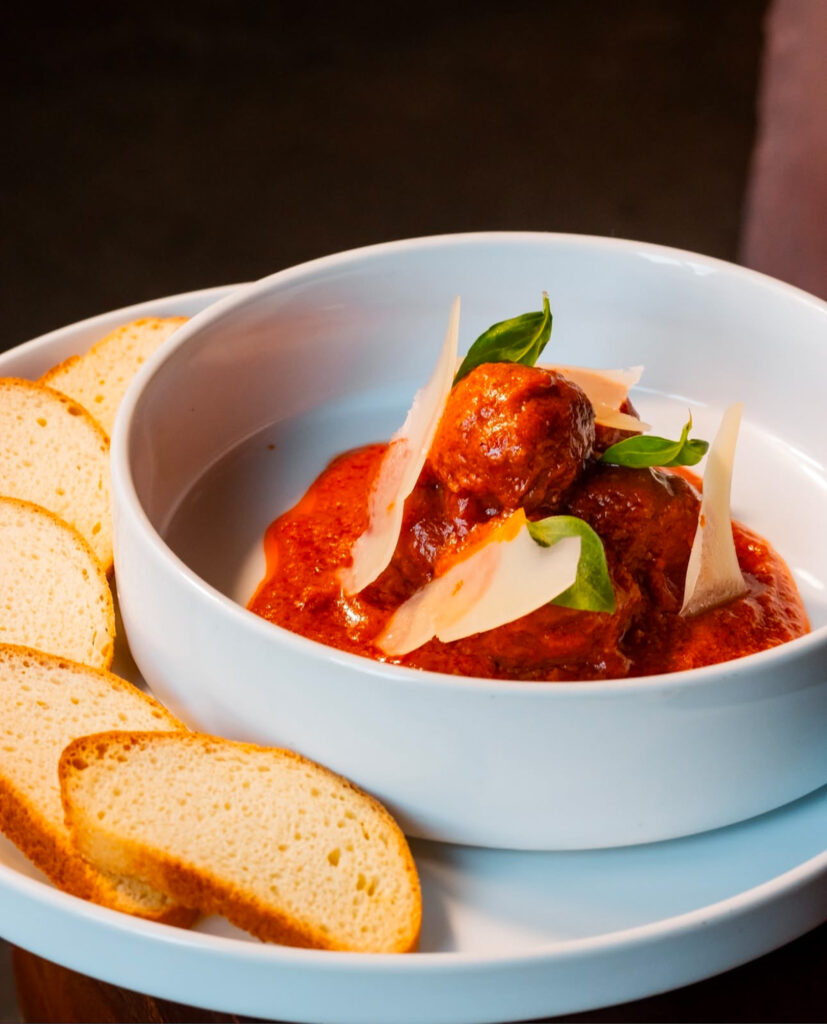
229,424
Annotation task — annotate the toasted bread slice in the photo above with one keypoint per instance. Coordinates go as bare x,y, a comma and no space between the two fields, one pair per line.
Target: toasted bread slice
98,380
53,591
45,702
54,454
277,844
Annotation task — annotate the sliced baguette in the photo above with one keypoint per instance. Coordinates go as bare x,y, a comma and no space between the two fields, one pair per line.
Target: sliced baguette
277,844
45,702
53,591
54,454
98,380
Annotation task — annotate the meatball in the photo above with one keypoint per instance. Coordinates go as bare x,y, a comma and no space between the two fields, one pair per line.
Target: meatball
513,436
647,520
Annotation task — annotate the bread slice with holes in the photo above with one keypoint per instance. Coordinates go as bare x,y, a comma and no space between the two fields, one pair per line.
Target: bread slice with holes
45,703
277,844
98,380
53,592
54,454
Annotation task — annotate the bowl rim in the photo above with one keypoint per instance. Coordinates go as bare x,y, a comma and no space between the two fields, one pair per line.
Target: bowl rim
124,489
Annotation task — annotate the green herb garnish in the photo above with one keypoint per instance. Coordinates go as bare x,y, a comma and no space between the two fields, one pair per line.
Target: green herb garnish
592,590
647,450
519,340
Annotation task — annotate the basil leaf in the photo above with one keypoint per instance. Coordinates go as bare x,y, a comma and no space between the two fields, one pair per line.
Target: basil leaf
592,590
519,340
647,450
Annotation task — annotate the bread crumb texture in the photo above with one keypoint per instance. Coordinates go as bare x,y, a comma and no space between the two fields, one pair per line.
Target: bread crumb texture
281,846
98,380
45,703
54,454
53,592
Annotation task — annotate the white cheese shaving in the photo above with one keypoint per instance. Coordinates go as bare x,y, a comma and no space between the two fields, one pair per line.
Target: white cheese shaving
400,469
508,577
607,390
713,575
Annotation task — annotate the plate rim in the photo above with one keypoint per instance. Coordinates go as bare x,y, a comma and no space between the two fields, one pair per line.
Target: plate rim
730,906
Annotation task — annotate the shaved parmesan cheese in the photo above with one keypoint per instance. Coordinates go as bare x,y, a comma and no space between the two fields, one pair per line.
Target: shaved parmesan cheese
607,390
400,469
505,578
604,387
620,421
713,575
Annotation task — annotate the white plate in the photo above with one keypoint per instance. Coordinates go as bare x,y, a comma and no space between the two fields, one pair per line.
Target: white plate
506,935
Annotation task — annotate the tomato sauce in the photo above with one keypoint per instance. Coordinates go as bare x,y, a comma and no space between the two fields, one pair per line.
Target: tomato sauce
646,519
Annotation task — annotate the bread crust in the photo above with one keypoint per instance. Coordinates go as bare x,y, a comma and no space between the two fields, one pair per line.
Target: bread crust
112,356
72,406
108,651
99,447
206,889
52,851
45,659
64,866
57,371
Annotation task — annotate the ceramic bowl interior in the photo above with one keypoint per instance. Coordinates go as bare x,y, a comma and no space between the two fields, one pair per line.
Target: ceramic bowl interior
322,366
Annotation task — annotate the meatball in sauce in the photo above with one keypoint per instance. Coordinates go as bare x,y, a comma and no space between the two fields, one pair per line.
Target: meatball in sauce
516,437
512,437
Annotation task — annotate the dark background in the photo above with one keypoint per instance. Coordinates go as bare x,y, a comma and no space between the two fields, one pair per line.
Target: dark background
158,149
153,150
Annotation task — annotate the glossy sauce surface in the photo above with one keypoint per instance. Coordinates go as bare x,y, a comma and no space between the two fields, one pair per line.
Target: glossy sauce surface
511,437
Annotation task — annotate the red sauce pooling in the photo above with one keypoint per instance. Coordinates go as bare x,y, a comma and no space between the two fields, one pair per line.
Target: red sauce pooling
515,436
